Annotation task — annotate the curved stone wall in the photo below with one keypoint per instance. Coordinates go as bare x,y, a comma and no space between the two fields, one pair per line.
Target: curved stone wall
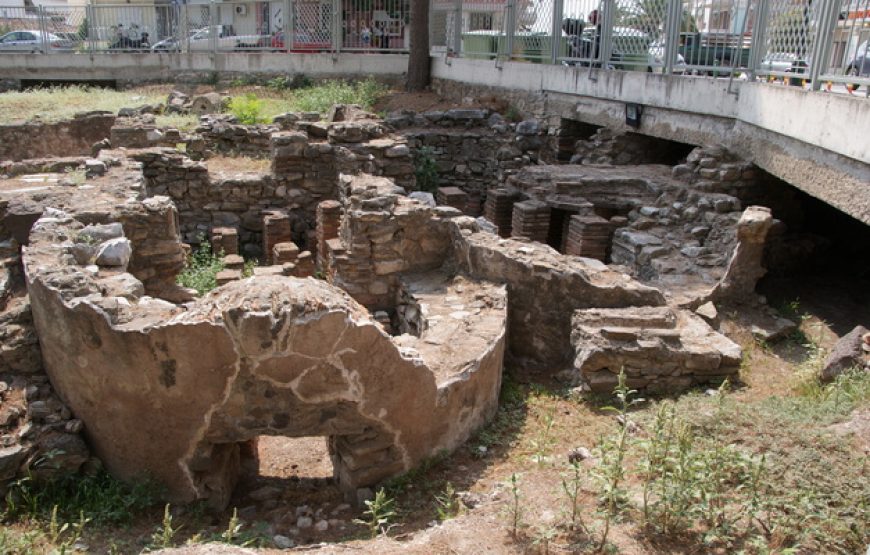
171,391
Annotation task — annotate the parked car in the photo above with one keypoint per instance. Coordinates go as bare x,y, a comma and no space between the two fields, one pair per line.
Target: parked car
657,59
303,42
200,39
29,40
699,49
779,61
859,65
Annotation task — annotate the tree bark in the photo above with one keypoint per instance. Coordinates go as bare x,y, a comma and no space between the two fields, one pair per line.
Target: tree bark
418,59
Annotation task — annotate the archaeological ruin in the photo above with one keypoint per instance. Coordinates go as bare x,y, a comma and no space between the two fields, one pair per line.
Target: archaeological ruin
378,315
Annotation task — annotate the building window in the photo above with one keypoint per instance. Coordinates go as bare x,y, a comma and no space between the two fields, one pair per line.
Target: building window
479,21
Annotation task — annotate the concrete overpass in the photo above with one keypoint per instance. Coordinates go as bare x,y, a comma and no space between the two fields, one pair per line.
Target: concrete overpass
816,141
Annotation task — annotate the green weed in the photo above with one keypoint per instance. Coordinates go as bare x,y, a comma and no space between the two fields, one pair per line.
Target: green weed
164,536
320,98
248,109
379,513
100,498
446,503
201,268
515,509
76,176
426,169
611,472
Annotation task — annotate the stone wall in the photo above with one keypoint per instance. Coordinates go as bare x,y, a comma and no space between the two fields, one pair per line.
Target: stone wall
37,139
544,288
473,149
616,148
39,436
383,235
304,172
314,364
660,349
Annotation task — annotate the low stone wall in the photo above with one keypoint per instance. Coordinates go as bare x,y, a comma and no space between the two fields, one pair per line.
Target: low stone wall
607,146
304,172
661,350
65,138
383,235
473,149
544,288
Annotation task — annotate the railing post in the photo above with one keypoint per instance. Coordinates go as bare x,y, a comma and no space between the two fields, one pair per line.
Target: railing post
287,26
336,25
824,37
606,40
556,33
183,27
759,37
43,31
510,28
457,28
214,33
673,26
91,27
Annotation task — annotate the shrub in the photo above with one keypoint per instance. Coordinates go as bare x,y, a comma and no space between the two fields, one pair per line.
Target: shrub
201,269
321,98
248,109
426,169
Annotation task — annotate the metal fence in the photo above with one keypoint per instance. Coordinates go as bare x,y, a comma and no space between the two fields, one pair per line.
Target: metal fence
228,26
755,39
819,43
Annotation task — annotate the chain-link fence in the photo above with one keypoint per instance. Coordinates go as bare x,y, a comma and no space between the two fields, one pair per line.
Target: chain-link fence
442,15
803,42
846,59
22,30
385,27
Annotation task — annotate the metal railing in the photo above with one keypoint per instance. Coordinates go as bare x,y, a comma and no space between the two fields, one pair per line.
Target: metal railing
379,26
815,43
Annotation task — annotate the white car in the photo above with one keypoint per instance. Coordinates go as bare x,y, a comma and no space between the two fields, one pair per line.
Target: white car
657,59
200,39
29,40
779,61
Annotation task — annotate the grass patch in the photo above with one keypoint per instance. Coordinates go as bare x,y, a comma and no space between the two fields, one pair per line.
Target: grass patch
99,498
320,98
813,494
59,103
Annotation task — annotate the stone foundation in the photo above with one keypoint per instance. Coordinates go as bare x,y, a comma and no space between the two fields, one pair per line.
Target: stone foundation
661,350
65,138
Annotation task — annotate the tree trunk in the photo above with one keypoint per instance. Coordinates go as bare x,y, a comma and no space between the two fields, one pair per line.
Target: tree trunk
418,59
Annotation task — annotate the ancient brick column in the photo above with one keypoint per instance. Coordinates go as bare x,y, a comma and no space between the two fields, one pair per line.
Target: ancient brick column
452,196
276,229
588,236
531,220
328,221
499,208
224,240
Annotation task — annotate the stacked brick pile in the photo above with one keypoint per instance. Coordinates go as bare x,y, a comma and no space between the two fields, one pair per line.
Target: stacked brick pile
225,240
276,230
531,220
499,209
328,221
589,236
452,196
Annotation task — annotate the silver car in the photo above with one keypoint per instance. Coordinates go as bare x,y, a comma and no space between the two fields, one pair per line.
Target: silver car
29,40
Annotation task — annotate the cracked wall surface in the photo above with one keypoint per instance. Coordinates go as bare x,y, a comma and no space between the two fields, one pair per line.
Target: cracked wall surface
172,390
